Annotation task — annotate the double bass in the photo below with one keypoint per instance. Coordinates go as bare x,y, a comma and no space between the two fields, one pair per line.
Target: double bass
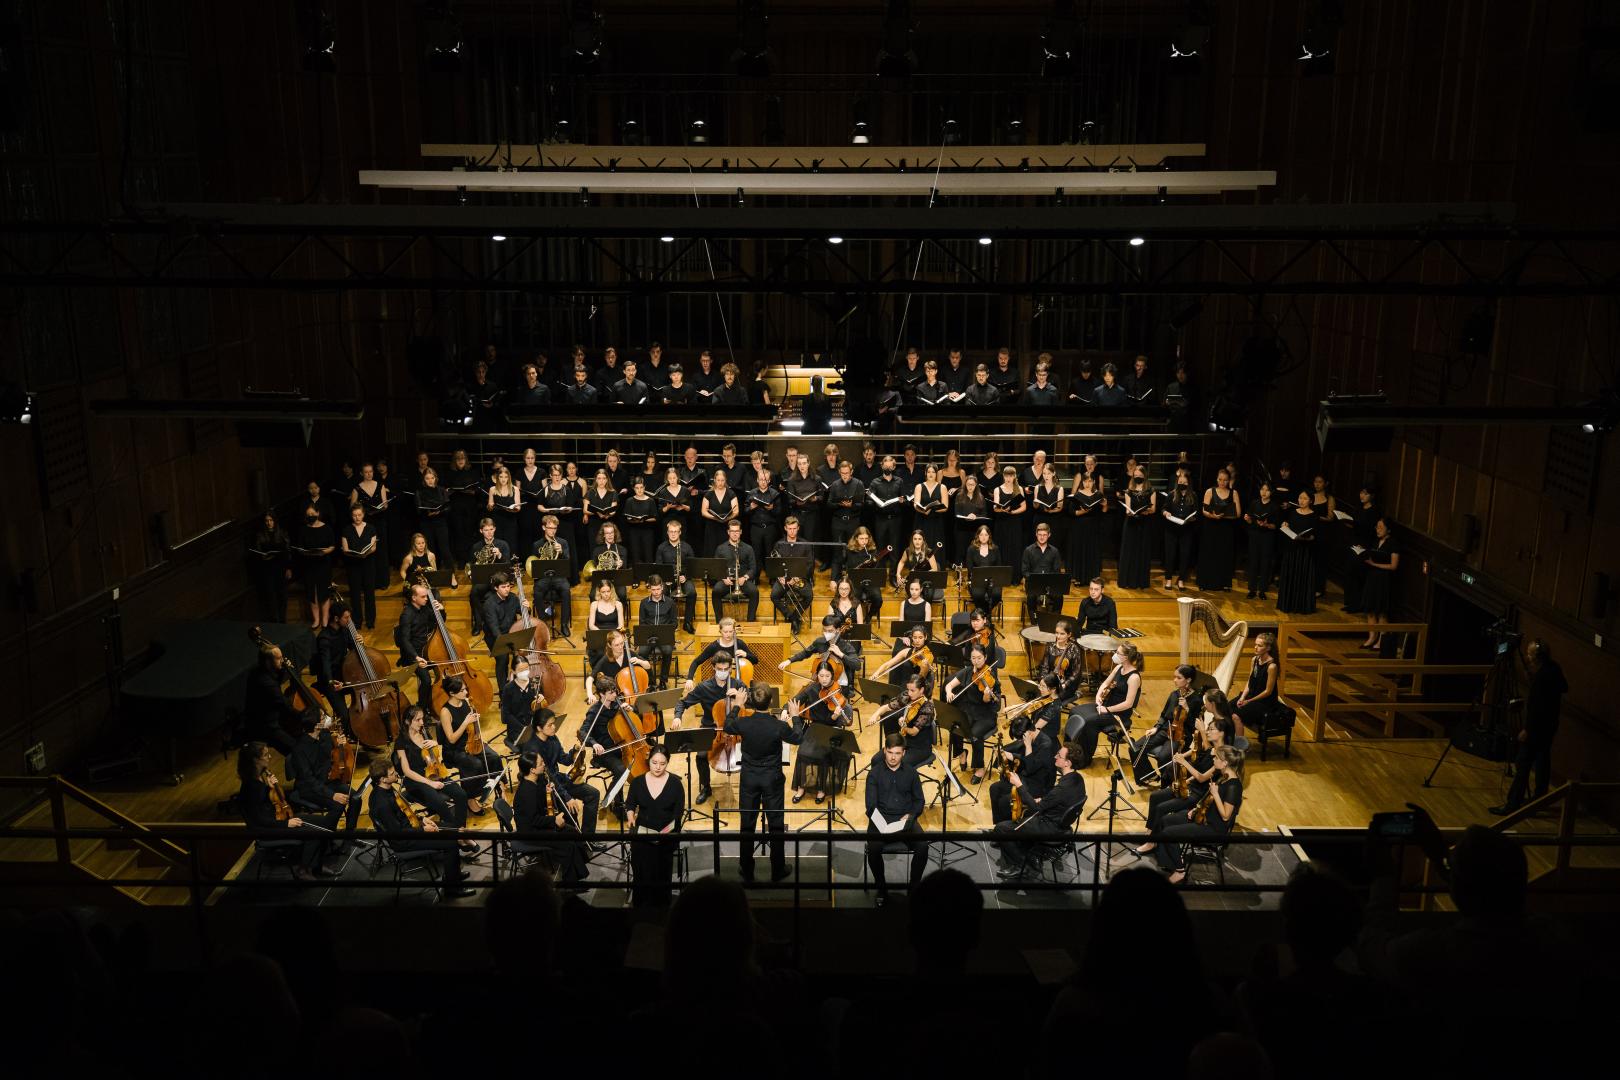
376,703
546,672
446,651
298,695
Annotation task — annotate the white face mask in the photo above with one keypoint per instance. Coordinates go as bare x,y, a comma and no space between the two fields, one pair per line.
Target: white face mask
521,676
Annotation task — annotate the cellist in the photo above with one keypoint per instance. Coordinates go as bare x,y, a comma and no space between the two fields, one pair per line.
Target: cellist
1150,758
594,733
705,694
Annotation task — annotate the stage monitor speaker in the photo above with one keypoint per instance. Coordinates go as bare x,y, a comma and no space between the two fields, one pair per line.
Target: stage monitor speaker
274,434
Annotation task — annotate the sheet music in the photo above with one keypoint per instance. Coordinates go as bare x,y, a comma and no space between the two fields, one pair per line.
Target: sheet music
1342,516
1172,519
1358,549
885,826
1288,531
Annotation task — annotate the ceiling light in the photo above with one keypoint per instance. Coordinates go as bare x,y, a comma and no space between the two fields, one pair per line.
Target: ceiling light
498,237
860,130
1137,241
697,133
667,239
835,239
986,241
630,133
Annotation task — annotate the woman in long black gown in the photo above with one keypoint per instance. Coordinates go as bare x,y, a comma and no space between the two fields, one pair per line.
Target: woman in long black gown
1180,534
1009,506
1326,552
931,503
1046,504
970,509
1263,517
270,556
1217,542
531,481
1087,505
1140,504
1296,581
654,808
316,541
1381,560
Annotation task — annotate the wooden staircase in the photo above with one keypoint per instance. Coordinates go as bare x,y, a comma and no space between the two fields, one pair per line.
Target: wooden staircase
40,870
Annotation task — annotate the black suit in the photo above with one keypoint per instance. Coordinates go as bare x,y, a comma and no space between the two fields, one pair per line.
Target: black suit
388,818
1038,771
1050,816
761,784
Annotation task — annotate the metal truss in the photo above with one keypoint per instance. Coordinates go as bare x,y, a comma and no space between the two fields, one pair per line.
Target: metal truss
1252,251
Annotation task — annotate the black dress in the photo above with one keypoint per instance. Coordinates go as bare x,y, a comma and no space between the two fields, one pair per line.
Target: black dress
1263,519
722,506
316,569
812,770
1217,543
1377,592
640,536
269,558
1043,506
932,519
969,513
527,531
1179,540
377,518
363,572
1086,536
652,851
1136,540
1296,579
1008,528
506,520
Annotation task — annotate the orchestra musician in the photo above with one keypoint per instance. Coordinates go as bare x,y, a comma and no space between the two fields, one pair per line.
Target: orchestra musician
522,703
408,832
263,807
1115,701
1098,615
535,809
656,609
1034,757
981,552
656,805
502,613
704,695
415,629
457,722
1151,756
550,749
445,799
267,714
911,656
760,784
820,702
596,735
332,644
894,795
675,554
614,659
1063,660
1224,795
1198,763
739,580
918,558
551,592
1045,816
976,690
830,645
310,767
791,596
728,644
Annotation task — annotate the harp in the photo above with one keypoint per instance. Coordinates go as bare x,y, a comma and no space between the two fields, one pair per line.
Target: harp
1210,642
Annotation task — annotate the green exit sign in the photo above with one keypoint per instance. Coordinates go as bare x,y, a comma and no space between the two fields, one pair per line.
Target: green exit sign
1467,578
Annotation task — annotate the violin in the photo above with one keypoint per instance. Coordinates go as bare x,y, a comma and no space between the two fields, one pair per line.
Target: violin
345,753
1199,815
412,818
832,697
475,734
434,767
446,650
284,810
1178,724
1012,766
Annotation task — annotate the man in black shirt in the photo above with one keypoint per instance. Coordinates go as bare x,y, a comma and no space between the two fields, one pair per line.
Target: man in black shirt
672,551
739,580
551,591
530,813
416,627
266,712
605,376
486,399
308,766
893,794
957,375
391,814
890,498
676,392
1045,816
1098,615
932,390
762,502
657,609
1542,703
829,644
792,596
584,798
704,695
332,645
909,374
1036,756
730,391
1005,378
1041,393
657,374
845,497
704,378
979,391
581,391
629,390
761,782
534,391
1041,557
502,614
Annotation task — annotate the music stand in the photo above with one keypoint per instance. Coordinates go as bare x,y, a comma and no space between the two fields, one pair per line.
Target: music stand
830,744
436,579
1054,585
868,579
644,570
480,573
622,579
1024,688
689,741
520,641
947,655
796,567
933,585
547,568
710,571
657,639
952,720
993,578
1048,620
597,639
899,628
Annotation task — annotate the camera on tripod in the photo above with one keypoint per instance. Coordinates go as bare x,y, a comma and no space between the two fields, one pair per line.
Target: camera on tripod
1505,636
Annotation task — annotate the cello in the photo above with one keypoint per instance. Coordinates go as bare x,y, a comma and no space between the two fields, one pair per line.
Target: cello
445,650
725,754
631,733
547,672
376,705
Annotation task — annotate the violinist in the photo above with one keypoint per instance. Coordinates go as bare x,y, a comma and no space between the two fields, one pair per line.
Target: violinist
739,581
412,633
408,832
656,805
309,766
460,727
976,690
1197,765
818,703
502,613
1213,815
675,555
266,712
894,795
1116,700
551,591
596,735
829,647
728,643
911,657
656,609
522,703
445,799
550,748
912,718
1151,756
791,596
264,807
761,782
1045,816
535,809
704,695
1034,759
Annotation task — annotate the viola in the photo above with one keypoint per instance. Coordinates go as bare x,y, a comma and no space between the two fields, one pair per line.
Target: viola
345,753
475,735
434,767
412,818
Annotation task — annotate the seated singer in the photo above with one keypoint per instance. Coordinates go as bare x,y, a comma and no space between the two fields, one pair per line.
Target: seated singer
894,796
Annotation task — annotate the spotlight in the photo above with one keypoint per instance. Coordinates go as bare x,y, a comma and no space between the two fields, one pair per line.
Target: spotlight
775,133
1137,241
985,241
1192,36
860,131
752,57
585,42
317,35
562,130
697,133
667,239
1060,40
1088,133
896,58
16,404
630,133
835,239
498,238
950,132
1012,124
1609,401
